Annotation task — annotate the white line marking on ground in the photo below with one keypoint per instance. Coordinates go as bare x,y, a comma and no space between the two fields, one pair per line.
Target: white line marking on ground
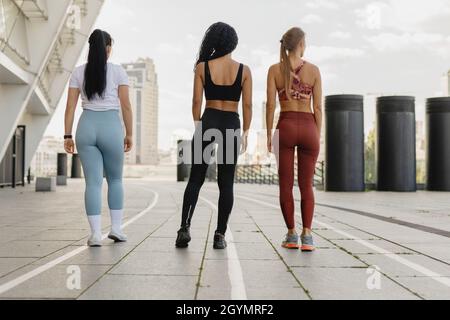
35,272
417,267
238,291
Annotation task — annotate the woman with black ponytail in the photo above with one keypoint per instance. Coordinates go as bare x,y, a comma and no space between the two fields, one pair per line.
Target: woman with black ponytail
100,138
223,80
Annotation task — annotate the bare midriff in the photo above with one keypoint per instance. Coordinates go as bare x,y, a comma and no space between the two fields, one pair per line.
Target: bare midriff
303,105
230,106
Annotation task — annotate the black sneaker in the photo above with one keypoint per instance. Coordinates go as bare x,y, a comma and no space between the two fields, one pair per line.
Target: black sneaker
219,241
184,237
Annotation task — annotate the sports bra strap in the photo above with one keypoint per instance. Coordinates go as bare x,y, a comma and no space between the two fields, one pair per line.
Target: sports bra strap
240,75
207,72
299,68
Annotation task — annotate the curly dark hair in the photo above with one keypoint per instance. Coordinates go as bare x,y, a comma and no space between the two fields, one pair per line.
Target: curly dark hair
219,40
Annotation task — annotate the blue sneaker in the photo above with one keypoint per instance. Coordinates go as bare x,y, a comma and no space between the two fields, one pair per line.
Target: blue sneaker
307,244
291,241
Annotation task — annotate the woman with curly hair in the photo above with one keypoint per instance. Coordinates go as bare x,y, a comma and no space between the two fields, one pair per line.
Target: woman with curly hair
223,80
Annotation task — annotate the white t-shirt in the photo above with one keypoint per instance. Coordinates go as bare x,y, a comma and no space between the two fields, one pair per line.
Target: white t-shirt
115,76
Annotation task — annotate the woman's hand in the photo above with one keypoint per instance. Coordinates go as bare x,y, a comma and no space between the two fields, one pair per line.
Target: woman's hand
269,143
69,146
244,143
128,143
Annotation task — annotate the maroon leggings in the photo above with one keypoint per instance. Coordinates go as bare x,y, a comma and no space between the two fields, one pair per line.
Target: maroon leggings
296,129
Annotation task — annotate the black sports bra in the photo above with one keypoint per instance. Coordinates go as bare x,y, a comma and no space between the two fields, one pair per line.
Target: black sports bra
223,92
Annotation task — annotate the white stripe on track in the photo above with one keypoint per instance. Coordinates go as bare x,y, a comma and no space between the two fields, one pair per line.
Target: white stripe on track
35,272
238,291
412,265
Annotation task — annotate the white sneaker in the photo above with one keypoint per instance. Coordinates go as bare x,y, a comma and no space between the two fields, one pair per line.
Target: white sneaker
117,236
95,241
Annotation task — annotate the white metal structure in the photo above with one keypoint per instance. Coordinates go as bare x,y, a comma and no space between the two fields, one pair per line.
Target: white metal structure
40,43
448,83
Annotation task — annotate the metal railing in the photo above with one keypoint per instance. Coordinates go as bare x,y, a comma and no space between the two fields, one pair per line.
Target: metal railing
268,174
257,174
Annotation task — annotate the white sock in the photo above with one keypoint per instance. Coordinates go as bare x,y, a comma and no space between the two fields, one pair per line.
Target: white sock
96,225
116,220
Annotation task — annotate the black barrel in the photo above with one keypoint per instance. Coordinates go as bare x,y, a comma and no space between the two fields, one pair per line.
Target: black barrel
344,141
76,166
396,144
62,164
438,144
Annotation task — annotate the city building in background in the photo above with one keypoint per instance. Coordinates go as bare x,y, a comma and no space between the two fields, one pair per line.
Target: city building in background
144,99
420,151
262,155
445,84
40,43
44,163
420,140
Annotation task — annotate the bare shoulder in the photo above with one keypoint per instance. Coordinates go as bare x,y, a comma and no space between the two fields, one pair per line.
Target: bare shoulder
199,69
275,68
247,71
315,69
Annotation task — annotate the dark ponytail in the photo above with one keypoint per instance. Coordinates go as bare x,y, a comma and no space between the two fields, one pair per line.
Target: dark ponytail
220,39
95,73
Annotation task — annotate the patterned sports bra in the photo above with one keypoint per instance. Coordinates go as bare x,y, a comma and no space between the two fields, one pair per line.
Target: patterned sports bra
299,90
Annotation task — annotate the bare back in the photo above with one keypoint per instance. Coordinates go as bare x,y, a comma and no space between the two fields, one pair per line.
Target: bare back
307,76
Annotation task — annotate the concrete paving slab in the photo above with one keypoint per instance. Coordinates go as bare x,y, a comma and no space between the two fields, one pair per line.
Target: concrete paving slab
142,287
395,269
260,274
214,281
426,287
30,249
109,255
249,237
167,245
175,263
357,248
296,293
355,234
8,265
348,283
12,233
60,235
328,258
53,284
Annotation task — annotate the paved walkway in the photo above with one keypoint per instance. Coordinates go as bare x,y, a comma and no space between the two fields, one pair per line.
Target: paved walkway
370,246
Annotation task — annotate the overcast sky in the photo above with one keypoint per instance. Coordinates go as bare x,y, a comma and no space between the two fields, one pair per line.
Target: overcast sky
361,47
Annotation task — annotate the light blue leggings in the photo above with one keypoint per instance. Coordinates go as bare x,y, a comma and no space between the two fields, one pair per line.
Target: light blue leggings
100,144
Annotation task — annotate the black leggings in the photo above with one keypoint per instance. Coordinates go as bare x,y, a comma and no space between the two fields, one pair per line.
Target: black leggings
219,128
